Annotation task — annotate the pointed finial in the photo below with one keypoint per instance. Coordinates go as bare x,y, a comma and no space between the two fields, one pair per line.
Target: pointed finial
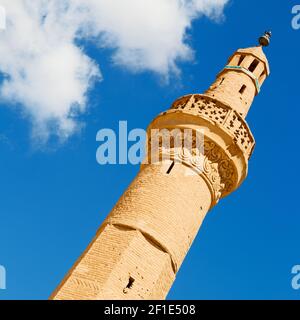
265,39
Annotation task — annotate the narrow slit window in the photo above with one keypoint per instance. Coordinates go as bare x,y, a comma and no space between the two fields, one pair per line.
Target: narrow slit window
222,80
242,57
242,90
261,76
171,167
253,65
129,285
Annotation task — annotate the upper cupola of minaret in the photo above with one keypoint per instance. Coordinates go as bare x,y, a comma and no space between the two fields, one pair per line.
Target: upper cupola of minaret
241,79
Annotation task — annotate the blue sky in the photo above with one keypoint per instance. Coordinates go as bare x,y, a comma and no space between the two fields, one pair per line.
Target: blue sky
54,199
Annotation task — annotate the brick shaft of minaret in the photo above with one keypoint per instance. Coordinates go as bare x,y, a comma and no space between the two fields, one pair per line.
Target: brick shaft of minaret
143,242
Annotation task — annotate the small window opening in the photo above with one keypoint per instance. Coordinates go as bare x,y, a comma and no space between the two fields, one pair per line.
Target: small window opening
222,80
242,90
253,65
171,167
242,57
261,76
129,285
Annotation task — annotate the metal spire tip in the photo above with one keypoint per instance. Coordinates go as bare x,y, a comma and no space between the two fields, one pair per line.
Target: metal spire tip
265,39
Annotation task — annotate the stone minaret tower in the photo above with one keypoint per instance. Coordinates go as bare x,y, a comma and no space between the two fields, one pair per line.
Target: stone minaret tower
141,245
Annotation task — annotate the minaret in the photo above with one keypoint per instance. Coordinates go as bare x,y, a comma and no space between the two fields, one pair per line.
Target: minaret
141,245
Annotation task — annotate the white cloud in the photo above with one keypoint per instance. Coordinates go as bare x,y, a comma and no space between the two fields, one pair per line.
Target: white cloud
49,75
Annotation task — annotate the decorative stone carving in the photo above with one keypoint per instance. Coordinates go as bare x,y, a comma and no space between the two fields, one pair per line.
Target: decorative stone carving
208,160
223,116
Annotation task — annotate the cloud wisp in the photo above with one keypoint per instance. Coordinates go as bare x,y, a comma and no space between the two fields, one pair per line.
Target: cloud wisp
48,75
